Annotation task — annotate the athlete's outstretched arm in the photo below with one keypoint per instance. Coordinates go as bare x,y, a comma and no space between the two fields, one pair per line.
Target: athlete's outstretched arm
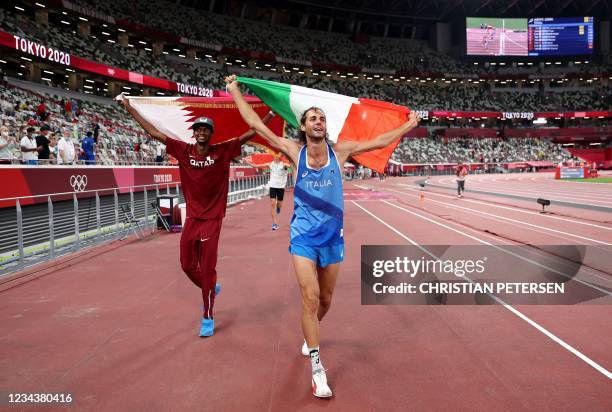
251,133
349,148
149,128
289,148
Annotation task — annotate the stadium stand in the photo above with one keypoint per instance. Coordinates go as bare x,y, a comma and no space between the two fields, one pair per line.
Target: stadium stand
122,138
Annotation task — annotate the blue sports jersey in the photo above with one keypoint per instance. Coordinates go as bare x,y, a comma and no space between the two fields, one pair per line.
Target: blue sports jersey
318,215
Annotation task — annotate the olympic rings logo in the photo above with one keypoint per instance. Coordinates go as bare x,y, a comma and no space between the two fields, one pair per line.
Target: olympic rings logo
78,182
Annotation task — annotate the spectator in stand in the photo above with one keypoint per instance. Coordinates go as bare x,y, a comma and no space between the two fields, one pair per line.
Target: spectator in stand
68,109
8,144
88,148
159,153
29,148
66,150
53,148
42,143
74,107
96,132
41,112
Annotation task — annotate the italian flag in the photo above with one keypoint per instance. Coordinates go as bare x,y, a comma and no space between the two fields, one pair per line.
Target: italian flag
173,116
348,118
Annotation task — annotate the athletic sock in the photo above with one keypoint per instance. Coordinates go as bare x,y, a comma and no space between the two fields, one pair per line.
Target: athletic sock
315,360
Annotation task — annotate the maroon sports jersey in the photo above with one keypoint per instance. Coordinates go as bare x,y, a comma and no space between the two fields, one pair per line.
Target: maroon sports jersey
204,178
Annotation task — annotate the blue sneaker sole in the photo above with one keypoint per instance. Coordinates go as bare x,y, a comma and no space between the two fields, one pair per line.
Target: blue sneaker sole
207,329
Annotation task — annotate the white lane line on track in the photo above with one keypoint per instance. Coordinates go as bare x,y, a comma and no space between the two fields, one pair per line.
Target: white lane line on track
506,208
484,242
541,189
516,312
518,222
547,189
547,182
561,197
589,271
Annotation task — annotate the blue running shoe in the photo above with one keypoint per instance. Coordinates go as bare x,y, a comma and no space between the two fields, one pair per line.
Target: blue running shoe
278,210
217,289
207,327
274,226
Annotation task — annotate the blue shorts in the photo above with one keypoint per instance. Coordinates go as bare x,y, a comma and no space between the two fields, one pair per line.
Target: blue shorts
321,255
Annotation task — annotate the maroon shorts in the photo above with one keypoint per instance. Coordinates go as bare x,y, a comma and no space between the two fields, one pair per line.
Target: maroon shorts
199,246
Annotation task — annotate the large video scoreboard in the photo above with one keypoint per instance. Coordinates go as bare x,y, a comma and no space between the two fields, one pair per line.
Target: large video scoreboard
539,36
560,36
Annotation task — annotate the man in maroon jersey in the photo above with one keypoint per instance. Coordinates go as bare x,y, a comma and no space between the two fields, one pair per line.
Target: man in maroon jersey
204,170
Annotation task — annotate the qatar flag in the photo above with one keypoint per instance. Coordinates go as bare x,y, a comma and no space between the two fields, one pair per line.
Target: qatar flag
173,116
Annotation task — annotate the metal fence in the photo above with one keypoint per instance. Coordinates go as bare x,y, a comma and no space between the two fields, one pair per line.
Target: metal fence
34,233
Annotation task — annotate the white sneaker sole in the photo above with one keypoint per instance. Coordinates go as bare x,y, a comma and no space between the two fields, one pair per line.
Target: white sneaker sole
323,394
305,349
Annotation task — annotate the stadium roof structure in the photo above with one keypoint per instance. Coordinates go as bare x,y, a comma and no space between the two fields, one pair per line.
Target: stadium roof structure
446,9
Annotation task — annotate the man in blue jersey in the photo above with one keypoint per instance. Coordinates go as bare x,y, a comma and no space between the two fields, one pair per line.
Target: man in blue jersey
88,149
317,243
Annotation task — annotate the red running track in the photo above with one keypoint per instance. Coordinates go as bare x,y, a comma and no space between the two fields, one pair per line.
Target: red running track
512,43
117,328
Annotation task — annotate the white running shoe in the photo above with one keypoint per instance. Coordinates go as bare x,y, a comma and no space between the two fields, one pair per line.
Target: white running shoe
305,349
320,389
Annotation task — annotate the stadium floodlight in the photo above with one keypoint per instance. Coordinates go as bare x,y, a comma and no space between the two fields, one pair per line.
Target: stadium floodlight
543,202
